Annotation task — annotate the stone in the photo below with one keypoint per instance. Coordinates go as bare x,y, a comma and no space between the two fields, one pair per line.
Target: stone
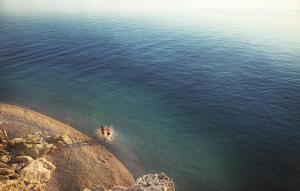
21,165
19,148
154,182
48,165
4,178
33,181
14,166
17,140
5,158
14,176
45,149
3,135
65,138
6,172
149,182
23,159
3,152
98,188
17,167
34,152
37,169
3,165
2,146
120,188
33,146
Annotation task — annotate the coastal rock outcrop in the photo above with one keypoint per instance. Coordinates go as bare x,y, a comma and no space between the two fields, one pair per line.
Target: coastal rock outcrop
82,163
21,160
148,182
45,154
154,182
38,170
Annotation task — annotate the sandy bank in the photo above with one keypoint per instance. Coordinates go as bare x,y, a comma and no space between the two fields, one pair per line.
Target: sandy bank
83,164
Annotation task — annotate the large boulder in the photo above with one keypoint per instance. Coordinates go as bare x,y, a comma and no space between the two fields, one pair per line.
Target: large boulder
38,171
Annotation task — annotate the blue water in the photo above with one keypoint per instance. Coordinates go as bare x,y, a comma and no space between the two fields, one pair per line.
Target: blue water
214,102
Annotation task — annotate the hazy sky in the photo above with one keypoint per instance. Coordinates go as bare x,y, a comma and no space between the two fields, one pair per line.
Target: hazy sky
187,6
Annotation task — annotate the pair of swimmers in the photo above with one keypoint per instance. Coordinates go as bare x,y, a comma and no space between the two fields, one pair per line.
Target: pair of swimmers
105,130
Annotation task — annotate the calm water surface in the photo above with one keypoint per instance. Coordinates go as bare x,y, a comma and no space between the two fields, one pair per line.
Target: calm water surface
214,102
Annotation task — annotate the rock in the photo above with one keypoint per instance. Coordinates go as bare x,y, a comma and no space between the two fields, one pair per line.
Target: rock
19,148
149,182
3,178
3,165
20,162
75,165
18,170
15,166
157,188
32,146
22,166
48,165
34,152
34,139
5,158
120,188
65,138
2,146
17,141
6,172
154,182
45,149
37,170
60,140
33,181
23,159
3,135
14,176
3,152
98,188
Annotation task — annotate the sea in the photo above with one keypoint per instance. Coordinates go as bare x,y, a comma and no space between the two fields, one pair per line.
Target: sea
212,100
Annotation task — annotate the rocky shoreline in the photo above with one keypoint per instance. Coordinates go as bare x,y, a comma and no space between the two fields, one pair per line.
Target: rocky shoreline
148,182
22,162
40,153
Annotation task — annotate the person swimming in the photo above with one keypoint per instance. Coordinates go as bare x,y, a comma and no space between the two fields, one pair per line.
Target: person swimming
106,132
102,130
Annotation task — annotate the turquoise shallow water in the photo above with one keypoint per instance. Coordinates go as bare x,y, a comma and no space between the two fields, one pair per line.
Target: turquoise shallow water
213,102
